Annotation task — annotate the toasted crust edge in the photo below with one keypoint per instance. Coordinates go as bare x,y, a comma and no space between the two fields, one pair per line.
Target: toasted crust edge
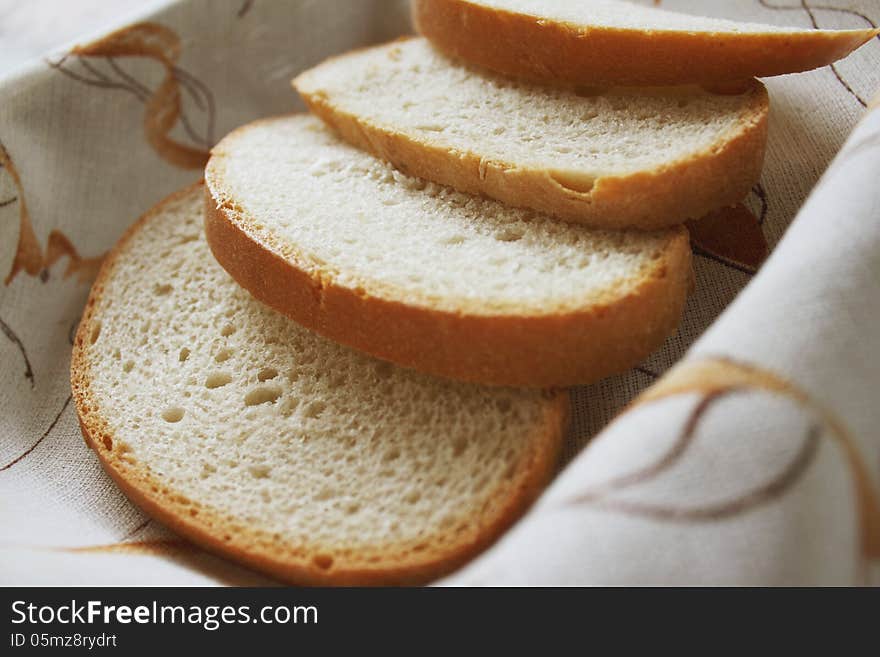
222,536
521,45
560,348
684,189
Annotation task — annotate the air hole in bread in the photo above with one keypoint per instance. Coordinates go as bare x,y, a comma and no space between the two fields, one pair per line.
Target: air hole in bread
509,234
262,395
577,183
267,373
161,289
96,332
173,414
289,406
314,409
108,442
228,330
259,471
391,455
413,497
128,366
183,355
223,355
326,493
217,380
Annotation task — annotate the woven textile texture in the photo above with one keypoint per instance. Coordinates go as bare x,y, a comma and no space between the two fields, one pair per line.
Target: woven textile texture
744,451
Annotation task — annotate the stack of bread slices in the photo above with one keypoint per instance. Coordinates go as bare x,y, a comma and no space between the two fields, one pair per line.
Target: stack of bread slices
342,358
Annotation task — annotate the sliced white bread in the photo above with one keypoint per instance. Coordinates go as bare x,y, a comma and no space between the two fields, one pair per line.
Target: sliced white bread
603,42
266,443
428,277
626,157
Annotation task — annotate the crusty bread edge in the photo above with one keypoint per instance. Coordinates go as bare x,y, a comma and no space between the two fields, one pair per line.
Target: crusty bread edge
688,188
398,565
553,51
562,347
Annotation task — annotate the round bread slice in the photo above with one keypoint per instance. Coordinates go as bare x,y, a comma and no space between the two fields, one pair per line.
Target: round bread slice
273,446
428,277
615,158
605,42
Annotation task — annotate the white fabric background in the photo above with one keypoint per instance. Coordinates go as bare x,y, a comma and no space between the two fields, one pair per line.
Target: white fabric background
80,164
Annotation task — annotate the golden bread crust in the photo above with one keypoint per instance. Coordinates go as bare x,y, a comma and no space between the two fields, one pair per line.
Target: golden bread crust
553,51
561,347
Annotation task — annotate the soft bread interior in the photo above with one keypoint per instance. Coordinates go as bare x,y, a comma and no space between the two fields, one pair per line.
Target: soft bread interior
342,214
313,449
408,87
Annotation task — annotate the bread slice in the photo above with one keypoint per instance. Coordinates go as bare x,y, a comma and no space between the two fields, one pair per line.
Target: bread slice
626,157
603,42
428,277
268,444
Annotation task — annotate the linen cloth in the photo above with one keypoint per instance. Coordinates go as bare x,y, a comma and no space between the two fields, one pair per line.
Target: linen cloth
755,460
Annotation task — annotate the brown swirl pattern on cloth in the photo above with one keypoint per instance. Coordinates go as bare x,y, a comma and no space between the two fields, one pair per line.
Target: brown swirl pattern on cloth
811,10
12,336
163,105
246,6
181,552
746,501
29,256
39,440
716,376
162,546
